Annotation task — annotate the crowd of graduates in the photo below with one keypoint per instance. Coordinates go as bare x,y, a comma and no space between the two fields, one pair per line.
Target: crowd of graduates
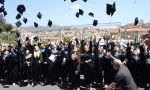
59,62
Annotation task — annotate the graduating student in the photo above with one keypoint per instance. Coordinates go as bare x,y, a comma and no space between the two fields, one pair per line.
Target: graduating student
28,58
98,63
1,66
74,67
45,62
88,64
37,60
133,63
13,70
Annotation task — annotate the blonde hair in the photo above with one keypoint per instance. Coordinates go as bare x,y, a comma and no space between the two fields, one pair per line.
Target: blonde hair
37,51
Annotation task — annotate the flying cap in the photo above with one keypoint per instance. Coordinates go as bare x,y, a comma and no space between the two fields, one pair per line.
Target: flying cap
50,23
18,24
95,22
91,14
18,16
25,20
35,24
39,15
110,9
77,14
81,12
21,8
136,21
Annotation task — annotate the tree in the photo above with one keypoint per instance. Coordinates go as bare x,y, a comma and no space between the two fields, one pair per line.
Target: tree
7,27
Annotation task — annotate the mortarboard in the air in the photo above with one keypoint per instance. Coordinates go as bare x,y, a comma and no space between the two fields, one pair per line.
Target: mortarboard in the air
77,14
21,8
35,24
18,24
91,14
73,0
136,21
85,0
18,16
81,12
2,9
2,1
50,23
39,15
110,9
95,22
25,20
5,13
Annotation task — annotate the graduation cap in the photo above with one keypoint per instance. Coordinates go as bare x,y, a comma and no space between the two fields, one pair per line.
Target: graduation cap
21,8
95,22
25,20
35,24
110,9
136,21
18,16
73,0
18,24
2,1
84,0
81,12
77,14
39,15
50,23
91,14
5,13
2,9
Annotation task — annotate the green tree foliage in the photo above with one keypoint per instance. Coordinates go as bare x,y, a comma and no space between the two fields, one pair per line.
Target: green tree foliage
8,38
6,27
3,25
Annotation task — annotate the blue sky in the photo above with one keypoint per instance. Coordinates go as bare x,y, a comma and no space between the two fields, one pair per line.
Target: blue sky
63,13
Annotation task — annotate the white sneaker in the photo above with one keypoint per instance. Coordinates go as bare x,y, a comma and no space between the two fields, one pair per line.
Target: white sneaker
78,88
90,88
14,84
28,85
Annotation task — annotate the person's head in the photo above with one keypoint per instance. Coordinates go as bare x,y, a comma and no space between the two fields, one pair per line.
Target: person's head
75,49
6,53
42,45
36,48
100,48
135,52
86,48
116,48
116,64
27,52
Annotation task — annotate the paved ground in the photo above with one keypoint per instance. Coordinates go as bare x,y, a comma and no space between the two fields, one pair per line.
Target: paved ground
48,87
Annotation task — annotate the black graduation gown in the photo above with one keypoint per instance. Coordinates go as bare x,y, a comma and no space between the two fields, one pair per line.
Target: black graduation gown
37,68
133,64
88,68
28,67
99,58
45,63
